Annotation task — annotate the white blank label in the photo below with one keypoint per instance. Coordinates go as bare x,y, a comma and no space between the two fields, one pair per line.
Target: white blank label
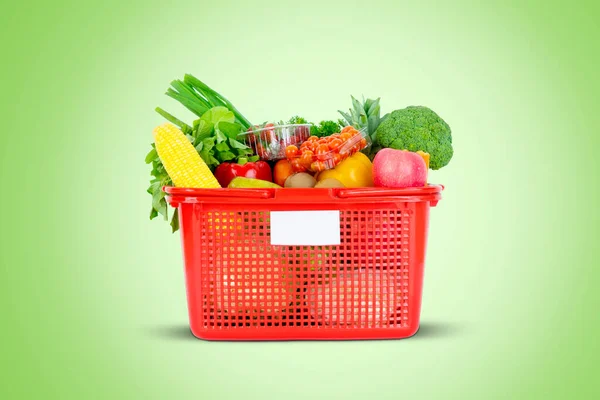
305,228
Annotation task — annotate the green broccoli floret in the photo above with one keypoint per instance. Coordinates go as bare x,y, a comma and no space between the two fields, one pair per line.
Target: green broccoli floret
417,128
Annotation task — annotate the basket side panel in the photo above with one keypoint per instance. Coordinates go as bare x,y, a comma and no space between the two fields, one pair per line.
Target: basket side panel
240,287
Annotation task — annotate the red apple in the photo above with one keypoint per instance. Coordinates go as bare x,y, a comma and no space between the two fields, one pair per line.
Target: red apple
399,169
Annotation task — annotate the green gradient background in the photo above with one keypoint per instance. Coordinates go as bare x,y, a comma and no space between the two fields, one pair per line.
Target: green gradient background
93,298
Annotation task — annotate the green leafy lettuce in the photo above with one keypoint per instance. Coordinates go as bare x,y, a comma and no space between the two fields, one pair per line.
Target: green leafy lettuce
215,135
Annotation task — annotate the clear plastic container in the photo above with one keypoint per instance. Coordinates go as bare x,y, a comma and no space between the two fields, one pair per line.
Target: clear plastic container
315,158
269,142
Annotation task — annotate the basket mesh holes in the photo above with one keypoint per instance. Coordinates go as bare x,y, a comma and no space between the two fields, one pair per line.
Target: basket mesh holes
246,282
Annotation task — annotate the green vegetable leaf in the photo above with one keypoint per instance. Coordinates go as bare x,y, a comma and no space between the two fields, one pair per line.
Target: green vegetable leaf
182,125
223,146
201,89
243,152
207,149
372,107
367,104
218,114
187,91
231,129
225,156
347,118
363,119
191,104
209,159
159,203
206,156
297,120
220,136
175,221
253,159
214,135
152,155
325,128
357,107
372,125
209,143
203,129
237,145
215,98
155,184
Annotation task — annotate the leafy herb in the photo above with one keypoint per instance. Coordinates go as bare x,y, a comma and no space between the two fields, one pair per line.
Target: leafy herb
296,120
159,179
215,135
322,129
325,128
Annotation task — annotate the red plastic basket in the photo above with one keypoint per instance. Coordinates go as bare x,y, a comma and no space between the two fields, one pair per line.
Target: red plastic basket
241,287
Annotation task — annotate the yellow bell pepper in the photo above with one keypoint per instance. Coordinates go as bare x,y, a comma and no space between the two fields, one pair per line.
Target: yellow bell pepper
425,157
355,171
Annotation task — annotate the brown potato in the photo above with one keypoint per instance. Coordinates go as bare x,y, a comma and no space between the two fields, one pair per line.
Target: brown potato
329,183
300,180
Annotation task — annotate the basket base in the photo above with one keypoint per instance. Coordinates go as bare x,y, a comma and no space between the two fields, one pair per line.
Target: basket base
312,333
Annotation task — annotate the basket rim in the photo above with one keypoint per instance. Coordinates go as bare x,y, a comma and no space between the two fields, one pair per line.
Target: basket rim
428,190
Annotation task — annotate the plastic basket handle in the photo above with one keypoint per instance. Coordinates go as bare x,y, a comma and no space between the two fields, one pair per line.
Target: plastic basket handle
406,194
378,192
178,195
224,192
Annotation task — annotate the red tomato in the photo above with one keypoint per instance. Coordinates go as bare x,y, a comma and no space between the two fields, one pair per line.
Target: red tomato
268,137
323,148
302,132
318,166
307,157
345,136
310,146
335,144
261,151
345,150
291,151
297,165
322,152
336,158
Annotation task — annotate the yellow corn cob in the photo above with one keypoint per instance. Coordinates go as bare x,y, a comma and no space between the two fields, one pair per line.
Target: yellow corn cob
181,160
